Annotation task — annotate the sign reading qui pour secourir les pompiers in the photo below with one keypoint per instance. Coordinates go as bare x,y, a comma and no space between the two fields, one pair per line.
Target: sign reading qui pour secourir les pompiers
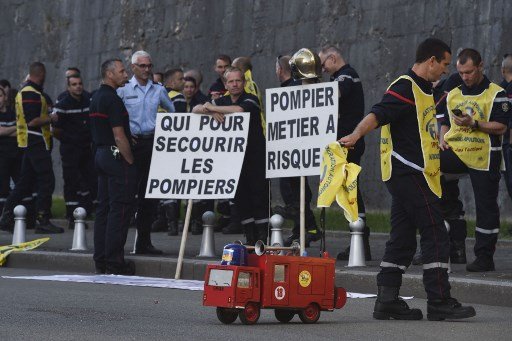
301,121
196,157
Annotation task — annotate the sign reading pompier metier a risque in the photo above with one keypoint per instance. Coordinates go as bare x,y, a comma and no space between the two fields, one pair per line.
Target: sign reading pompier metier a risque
301,122
196,157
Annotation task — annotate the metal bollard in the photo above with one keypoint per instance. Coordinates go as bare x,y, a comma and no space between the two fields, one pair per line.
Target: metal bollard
20,226
356,256
79,240
276,236
208,242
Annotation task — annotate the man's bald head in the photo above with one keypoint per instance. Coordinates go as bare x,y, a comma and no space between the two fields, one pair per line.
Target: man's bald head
242,63
37,73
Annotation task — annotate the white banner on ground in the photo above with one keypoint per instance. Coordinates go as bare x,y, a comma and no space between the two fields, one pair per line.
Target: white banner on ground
301,121
139,281
195,157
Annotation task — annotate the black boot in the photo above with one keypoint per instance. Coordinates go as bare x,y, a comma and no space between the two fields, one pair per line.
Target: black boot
389,306
196,221
160,224
45,226
481,264
261,232
458,252
344,255
7,221
172,220
451,309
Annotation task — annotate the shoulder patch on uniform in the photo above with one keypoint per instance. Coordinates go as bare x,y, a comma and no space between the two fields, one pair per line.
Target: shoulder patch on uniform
505,106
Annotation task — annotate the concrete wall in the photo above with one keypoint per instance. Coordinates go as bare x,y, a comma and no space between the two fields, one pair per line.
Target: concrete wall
378,38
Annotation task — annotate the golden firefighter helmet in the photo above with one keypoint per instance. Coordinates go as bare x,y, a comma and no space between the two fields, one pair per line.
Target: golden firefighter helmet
305,64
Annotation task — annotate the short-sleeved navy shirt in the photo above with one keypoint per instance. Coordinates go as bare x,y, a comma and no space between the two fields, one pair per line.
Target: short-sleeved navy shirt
508,89
8,144
398,108
250,104
351,103
73,119
107,110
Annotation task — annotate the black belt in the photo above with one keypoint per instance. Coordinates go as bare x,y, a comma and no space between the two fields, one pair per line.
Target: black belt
144,136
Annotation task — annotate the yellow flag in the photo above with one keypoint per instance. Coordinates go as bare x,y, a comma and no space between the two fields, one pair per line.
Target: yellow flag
338,181
6,250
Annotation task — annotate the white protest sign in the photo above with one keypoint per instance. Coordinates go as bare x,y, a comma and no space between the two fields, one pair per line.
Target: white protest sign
195,157
301,121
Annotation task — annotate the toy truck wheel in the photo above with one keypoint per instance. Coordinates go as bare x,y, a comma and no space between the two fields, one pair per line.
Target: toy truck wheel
226,316
283,315
250,314
310,314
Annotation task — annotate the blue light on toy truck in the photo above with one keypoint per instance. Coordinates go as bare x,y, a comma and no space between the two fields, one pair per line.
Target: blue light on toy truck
234,254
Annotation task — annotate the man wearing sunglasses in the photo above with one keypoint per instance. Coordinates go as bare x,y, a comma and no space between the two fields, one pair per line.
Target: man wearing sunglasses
142,97
350,113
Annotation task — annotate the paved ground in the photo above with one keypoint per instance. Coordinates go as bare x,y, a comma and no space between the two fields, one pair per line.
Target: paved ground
492,287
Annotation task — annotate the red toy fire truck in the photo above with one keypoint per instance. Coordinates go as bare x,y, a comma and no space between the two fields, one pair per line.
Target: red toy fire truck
245,283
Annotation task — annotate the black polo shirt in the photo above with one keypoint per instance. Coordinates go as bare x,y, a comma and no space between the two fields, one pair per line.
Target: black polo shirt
351,101
73,119
107,110
398,109
500,111
8,144
508,89
217,86
250,104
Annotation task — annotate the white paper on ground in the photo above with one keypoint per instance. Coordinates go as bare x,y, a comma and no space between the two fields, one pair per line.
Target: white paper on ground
145,282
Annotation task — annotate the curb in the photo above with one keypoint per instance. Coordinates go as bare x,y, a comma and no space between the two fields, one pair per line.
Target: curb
475,291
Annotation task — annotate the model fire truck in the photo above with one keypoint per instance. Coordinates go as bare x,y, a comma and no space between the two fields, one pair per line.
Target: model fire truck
243,284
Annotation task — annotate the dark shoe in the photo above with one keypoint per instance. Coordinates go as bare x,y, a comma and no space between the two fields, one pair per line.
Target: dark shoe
232,228
417,260
312,236
173,228
389,306
159,225
222,223
458,252
293,238
481,264
288,212
7,221
100,268
71,224
126,269
148,250
45,226
451,309
344,255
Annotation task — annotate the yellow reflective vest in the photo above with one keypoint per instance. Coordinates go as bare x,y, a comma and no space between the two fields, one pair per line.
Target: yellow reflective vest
427,125
22,130
472,146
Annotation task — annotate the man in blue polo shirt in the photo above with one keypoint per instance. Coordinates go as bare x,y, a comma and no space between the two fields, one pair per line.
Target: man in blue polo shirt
142,98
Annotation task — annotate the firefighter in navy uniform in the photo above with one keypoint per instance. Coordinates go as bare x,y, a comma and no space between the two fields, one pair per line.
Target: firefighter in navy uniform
10,154
350,113
506,83
72,130
303,68
411,170
117,178
34,136
477,114
251,196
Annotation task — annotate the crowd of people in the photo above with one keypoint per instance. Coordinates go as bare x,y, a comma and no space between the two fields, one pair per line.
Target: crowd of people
432,133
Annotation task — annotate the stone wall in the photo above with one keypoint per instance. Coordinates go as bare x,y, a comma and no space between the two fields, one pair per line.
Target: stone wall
378,38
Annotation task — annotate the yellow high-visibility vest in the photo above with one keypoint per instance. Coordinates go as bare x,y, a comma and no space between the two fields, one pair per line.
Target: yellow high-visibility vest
472,146
21,123
427,126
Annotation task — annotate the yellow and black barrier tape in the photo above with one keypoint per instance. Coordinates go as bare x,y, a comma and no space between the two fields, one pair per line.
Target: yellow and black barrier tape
6,250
